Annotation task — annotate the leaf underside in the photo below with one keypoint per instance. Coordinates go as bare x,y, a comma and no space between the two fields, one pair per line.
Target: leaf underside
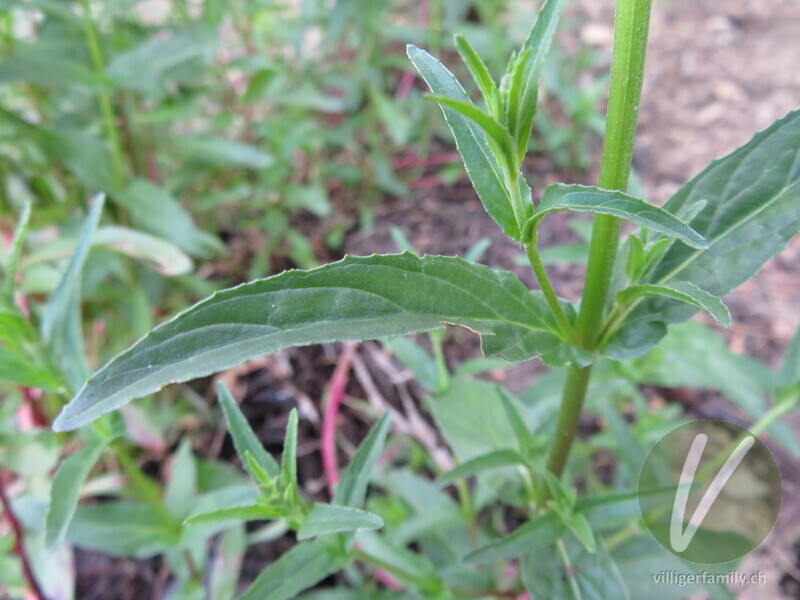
353,299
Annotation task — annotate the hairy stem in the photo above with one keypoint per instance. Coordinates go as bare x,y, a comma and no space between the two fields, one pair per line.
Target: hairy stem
627,69
548,290
539,271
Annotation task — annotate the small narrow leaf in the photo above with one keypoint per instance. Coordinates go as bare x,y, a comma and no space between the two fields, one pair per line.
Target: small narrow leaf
485,462
538,42
11,262
182,487
299,569
516,420
354,299
496,132
514,96
480,74
578,525
65,490
540,531
289,460
244,440
325,519
254,512
482,167
683,291
352,488
61,325
580,198
636,258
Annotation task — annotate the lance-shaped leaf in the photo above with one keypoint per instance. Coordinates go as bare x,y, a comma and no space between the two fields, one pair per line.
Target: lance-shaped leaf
66,488
244,439
538,42
299,569
352,488
480,74
251,512
480,162
61,325
540,531
683,291
325,519
581,198
496,132
353,299
574,573
751,210
485,462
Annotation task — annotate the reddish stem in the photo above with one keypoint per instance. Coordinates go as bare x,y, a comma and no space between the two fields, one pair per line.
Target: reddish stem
19,543
334,401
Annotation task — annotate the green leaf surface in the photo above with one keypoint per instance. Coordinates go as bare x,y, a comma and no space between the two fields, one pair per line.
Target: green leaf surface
538,42
480,74
683,291
289,458
47,71
165,257
471,418
325,519
588,199
354,299
221,152
146,66
244,440
789,372
581,575
61,320
225,569
11,260
298,569
253,512
21,369
120,528
496,132
482,167
492,460
156,210
182,486
751,210
352,488
65,490
541,531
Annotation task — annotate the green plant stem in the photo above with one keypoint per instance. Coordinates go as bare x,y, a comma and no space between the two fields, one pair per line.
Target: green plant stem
575,386
469,511
547,288
148,491
104,97
539,271
627,69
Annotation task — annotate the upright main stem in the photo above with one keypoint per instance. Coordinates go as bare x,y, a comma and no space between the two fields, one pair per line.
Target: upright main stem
627,69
